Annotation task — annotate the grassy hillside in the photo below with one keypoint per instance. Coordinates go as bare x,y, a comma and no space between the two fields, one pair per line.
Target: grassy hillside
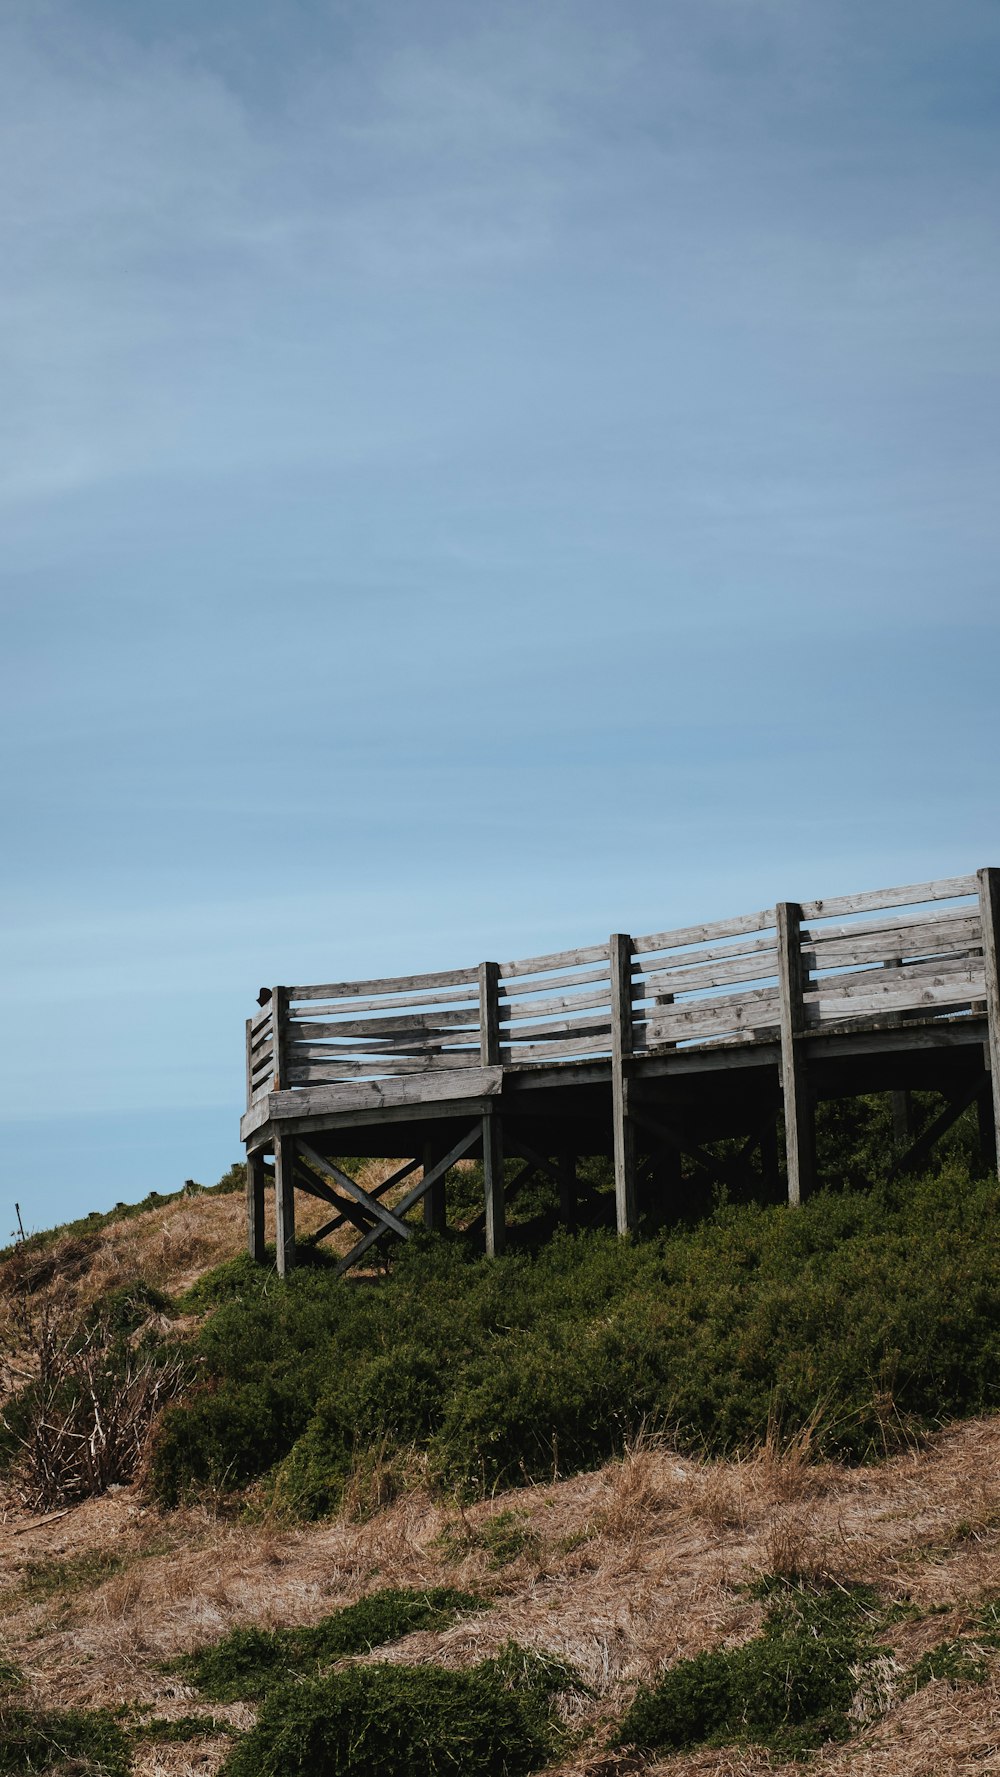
595,1507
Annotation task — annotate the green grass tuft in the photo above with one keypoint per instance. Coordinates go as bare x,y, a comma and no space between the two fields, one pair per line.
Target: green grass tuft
416,1721
87,1742
789,1688
247,1663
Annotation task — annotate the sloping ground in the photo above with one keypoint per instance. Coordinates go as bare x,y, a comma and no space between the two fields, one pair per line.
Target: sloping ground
621,1572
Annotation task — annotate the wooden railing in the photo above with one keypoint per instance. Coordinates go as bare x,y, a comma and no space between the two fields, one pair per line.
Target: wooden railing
826,964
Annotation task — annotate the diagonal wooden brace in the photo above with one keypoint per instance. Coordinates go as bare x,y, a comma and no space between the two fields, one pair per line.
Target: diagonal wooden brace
406,1203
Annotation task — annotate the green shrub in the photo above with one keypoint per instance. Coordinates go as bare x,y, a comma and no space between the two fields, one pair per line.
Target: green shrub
247,1663
88,1741
790,1687
871,1315
164,1730
956,1662
413,1721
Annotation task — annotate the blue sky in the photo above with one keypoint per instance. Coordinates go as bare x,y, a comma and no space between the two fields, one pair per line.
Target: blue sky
472,478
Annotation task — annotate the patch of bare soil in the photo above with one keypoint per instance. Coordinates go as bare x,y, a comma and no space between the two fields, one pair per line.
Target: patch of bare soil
622,1572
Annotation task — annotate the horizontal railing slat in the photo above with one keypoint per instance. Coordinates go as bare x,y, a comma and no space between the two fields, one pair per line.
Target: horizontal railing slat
718,928
302,1073
559,959
893,944
948,889
397,1024
595,976
340,990
390,1003
728,1012
559,1002
707,975
654,964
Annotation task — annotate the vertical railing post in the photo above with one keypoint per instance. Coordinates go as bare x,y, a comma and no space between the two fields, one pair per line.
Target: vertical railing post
284,1202
623,1129
279,1031
255,1205
989,905
902,1103
489,1056
249,1062
800,1141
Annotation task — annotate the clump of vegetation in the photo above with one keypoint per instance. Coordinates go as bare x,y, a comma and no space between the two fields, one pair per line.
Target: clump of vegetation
957,1662
503,1536
869,1315
247,1663
426,1721
47,1575
166,1730
62,1740
789,1688
81,1424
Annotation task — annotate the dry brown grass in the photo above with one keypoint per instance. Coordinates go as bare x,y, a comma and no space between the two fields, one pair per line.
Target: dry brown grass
629,1568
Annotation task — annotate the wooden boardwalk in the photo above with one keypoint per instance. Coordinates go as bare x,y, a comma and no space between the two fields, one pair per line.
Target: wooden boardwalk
644,1049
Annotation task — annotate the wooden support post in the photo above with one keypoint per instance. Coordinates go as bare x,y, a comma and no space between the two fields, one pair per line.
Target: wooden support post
800,1144
435,1203
249,1062
284,1202
567,1188
279,1030
255,1206
989,905
489,1014
902,1102
493,1193
626,1196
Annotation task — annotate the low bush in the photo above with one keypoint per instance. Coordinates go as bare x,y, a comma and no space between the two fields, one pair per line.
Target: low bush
247,1663
62,1740
871,1315
168,1730
789,1688
494,1720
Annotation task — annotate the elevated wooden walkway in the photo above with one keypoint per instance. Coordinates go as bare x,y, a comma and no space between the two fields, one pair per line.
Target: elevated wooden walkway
642,1049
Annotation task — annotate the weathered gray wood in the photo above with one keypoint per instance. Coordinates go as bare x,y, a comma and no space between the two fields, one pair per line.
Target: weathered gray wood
701,977
948,889
989,903
493,1192
435,1201
701,934
560,1002
555,1027
728,1012
559,959
489,1014
558,1049
620,951
255,1206
596,976
918,993
799,1124
988,1147
400,1002
332,1070
889,940
261,1018
378,1191
398,1025
462,1146
410,1089
346,1208
649,964
279,1013
284,1202
341,990
326,1169
249,1067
